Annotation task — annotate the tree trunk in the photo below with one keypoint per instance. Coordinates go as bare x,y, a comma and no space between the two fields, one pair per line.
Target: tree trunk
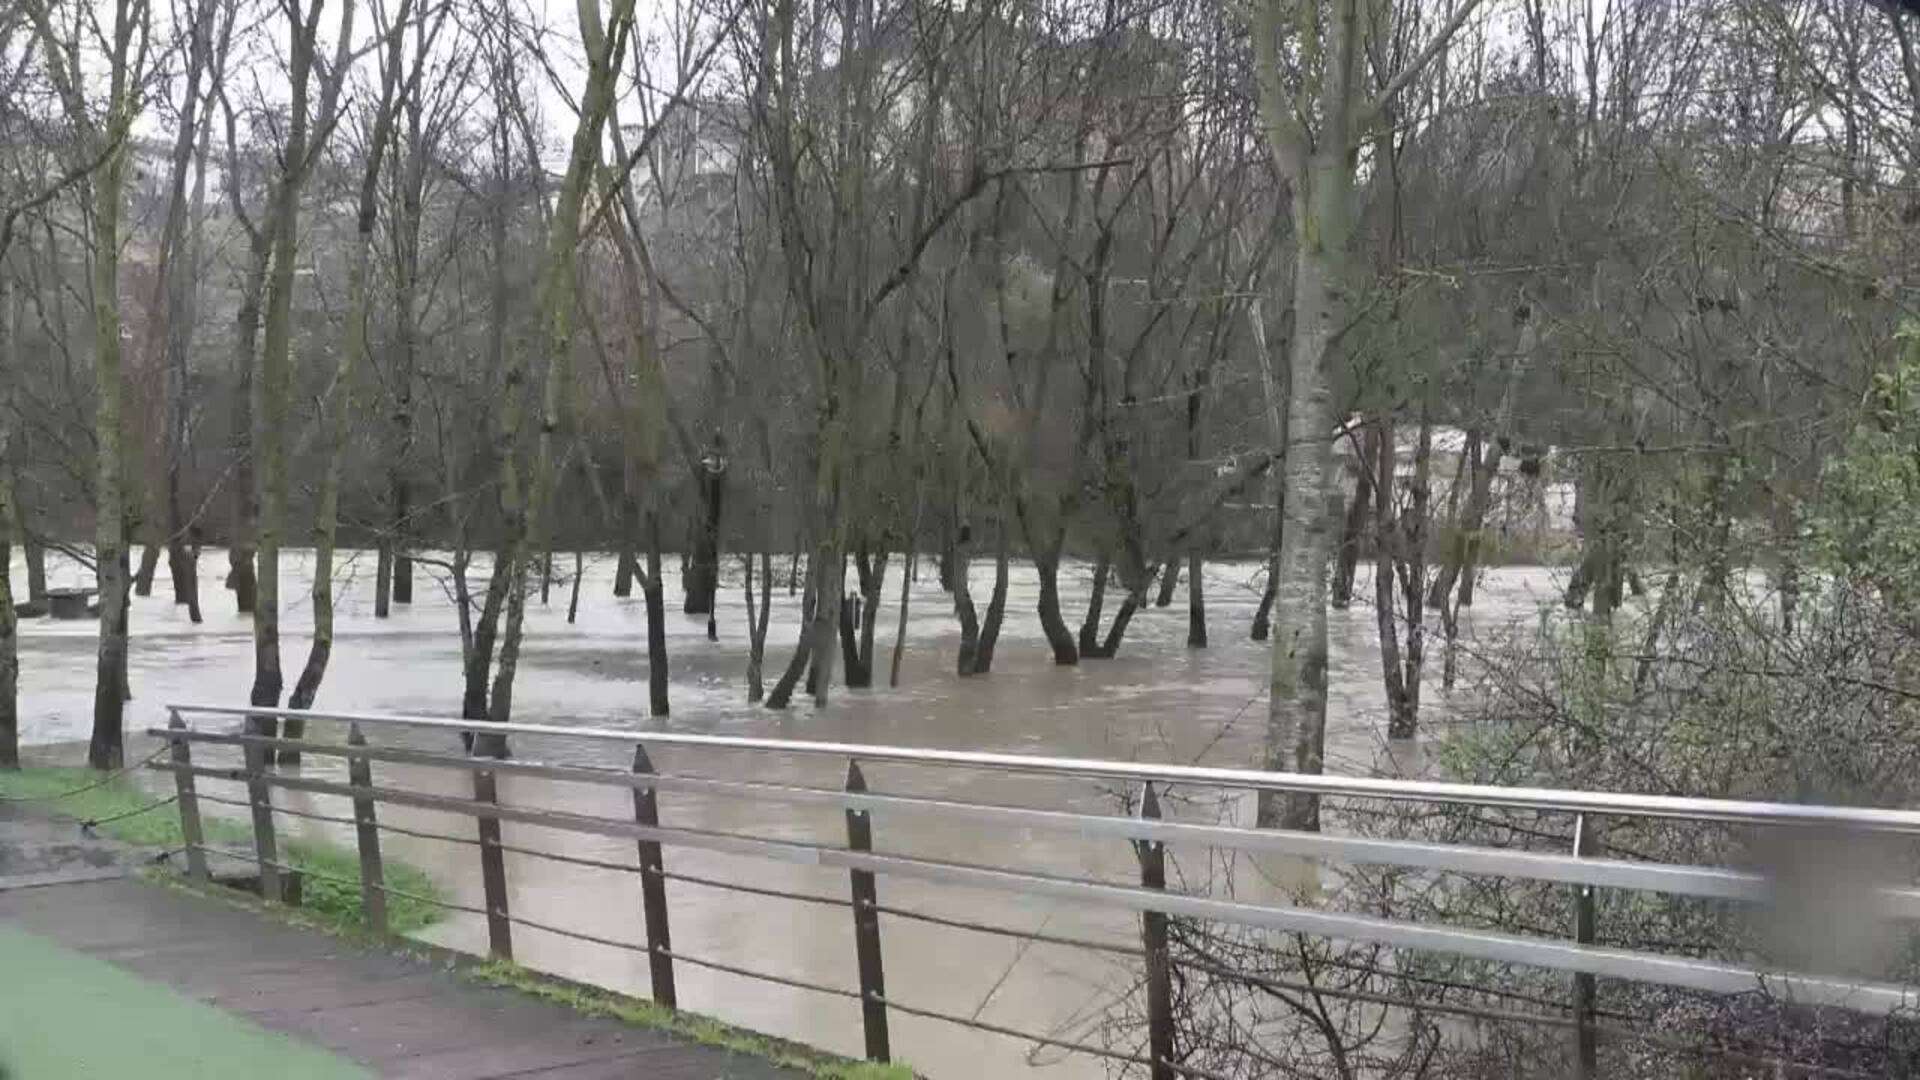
757,623
1297,699
996,611
782,692
755,646
1096,599
1263,615
1110,647
182,238
9,622
479,659
625,566
36,568
1407,564
573,592
651,587
1354,528
963,608
104,749
149,562
872,575
1047,565
339,403
383,580
702,582
1169,580
909,572
1196,603
528,518
242,577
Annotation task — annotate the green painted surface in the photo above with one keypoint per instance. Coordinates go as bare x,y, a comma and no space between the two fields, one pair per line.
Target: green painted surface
67,1016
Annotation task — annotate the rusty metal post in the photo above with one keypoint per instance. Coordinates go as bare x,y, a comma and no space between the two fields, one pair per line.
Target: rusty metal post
260,803
866,927
493,867
653,888
1587,1046
1153,937
189,805
373,878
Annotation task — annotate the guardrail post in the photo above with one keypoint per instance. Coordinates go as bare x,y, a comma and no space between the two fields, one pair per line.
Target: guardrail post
1153,936
1587,1047
866,927
653,888
493,861
189,805
373,879
258,759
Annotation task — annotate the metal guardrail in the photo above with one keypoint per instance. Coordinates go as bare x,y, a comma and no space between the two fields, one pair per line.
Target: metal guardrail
1149,835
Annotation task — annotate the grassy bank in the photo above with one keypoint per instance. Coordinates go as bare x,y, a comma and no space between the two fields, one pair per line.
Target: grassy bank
691,1026
129,813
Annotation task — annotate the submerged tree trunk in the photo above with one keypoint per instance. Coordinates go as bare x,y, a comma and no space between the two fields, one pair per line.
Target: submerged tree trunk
909,571
1196,603
962,588
757,623
1169,580
871,568
1353,529
651,587
383,580
479,659
1263,614
573,591
36,553
996,611
624,567
9,623
702,581
1047,565
1096,599
782,692
149,562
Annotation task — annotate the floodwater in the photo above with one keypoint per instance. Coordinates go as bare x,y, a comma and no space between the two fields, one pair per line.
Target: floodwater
1157,701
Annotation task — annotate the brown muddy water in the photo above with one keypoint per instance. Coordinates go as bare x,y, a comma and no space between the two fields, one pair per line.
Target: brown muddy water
1157,701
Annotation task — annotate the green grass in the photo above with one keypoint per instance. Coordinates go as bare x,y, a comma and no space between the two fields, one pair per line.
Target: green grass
691,1026
333,901
69,1014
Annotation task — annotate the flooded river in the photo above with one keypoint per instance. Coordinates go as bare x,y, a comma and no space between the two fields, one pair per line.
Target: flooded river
1157,701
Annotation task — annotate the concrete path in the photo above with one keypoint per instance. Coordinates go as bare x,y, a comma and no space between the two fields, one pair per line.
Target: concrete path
104,974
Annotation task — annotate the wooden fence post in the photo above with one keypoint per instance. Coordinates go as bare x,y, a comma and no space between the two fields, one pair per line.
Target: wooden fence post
1587,1045
189,805
260,802
1153,936
866,927
373,893
653,888
493,861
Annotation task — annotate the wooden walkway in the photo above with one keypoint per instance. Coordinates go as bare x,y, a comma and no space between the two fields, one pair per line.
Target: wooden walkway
397,1016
